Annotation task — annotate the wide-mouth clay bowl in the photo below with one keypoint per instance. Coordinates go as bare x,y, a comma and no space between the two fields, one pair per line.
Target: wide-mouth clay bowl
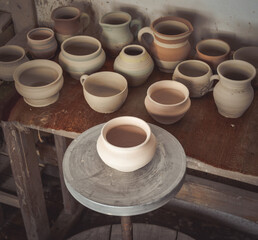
39,82
11,56
167,101
248,54
126,143
105,91
212,51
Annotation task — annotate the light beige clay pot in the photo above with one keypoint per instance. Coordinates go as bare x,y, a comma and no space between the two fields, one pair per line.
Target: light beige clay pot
212,51
39,82
167,101
195,75
11,56
248,54
126,144
233,94
105,91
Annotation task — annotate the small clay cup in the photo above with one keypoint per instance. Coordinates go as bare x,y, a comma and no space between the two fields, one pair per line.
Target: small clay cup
167,101
212,51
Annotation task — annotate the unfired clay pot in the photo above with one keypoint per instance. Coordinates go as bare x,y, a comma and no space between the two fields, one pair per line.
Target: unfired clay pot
105,91
126,144
167,101
81,55
233,94
39,82
135,64
41,43
167,41
11,56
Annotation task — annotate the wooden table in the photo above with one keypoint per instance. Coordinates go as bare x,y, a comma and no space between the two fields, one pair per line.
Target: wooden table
213,143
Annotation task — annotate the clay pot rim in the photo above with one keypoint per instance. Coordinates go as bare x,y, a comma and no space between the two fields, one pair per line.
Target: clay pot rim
212,39
52,34
173,18
247,64
62,19
85,38
129,119
37,63
169,82
238,52
134,46
107,73
195,61
115,25
22,51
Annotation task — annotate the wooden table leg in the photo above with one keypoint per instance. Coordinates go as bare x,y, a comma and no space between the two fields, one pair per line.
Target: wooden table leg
127,228
24,163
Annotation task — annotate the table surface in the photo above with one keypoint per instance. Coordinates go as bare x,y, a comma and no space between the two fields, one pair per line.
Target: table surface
205,135
106,190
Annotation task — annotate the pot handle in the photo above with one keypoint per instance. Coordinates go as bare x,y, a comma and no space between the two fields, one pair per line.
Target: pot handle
148,31
212,78
138,24
85,20
83,78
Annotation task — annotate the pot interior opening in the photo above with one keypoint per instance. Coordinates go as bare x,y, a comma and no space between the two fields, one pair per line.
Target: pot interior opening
193,69
210,50
133,51
66,13
40,34
126,136
171,27
167,96
115,19
8,56
80,48
38,76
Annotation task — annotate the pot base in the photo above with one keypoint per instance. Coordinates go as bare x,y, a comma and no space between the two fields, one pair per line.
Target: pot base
165,66
228,115
42,102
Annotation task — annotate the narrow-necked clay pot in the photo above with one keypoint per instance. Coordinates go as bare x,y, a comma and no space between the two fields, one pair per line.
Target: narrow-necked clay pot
105,91
11,56
167,101
135,64
126,144
39,82
41,43
81,55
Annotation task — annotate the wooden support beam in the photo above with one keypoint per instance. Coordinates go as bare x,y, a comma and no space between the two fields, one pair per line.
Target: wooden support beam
9,199
25,169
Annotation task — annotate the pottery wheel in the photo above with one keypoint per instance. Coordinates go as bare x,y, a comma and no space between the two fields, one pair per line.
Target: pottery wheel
106,190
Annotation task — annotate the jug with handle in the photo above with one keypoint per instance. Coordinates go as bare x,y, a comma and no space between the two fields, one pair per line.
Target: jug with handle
168,41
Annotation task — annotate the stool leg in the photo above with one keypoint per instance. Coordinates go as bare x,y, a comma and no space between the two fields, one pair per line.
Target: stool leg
127,228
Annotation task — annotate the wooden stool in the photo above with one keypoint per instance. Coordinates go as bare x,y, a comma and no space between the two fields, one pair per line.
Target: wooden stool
108,191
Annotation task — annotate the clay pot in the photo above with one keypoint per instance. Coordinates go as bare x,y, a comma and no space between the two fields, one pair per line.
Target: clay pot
105,92
11,56
81,55
195,75
39,82
116,31
212,51
126,144
167,41
167,101
233,94
248,54
135,64
41,43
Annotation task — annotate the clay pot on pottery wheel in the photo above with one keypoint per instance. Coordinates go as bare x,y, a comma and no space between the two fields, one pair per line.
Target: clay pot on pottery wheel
233,94
212,51
105,91
81,55
167,101
167,41
248,54
41,43
11,56
39,82
135,64
126,144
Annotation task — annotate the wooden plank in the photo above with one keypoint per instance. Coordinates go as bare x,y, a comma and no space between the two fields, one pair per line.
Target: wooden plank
65,223
24,163
5,21
9,199
182,236
101,233
222,197
1,215
70,204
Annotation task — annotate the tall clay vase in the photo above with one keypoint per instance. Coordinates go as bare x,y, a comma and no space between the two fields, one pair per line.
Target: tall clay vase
135,64
167,41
